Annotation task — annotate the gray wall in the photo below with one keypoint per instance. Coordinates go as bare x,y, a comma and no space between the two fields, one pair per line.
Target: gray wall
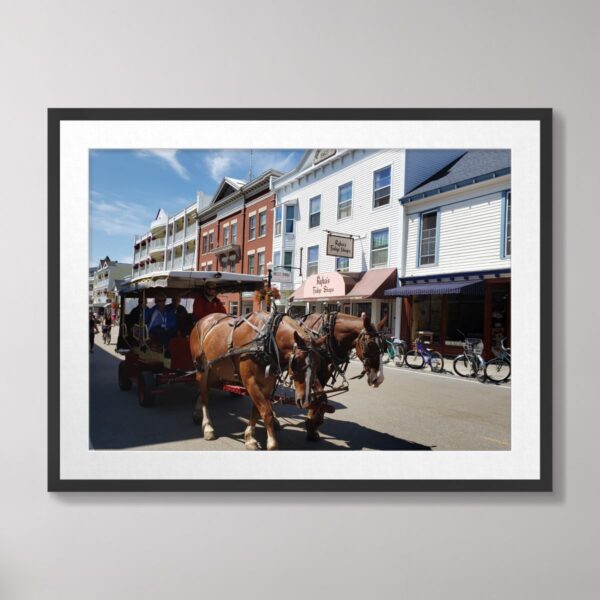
410,54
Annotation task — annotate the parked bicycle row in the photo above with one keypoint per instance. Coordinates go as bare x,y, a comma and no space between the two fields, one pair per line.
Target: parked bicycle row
468,364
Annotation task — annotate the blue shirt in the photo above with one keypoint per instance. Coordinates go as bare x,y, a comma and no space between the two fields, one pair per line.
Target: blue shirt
162,320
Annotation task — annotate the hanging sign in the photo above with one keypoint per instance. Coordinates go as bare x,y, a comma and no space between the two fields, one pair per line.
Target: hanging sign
338,245
281,275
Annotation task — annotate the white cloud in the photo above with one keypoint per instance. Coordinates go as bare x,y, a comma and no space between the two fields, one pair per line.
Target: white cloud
228,162
118,217
281,161
168,156
219,164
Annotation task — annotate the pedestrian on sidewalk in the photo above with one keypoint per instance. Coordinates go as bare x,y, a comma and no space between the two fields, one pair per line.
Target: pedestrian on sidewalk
93,331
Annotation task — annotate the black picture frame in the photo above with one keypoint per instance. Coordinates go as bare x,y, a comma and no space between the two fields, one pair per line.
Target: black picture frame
56,116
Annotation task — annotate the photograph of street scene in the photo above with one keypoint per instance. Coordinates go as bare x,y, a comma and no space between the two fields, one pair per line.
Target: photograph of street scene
292,299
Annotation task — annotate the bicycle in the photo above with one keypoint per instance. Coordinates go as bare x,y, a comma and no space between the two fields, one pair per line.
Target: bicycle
470,363
420,355
498,369
395,350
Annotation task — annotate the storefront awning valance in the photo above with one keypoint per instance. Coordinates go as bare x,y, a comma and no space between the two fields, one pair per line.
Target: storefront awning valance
469,288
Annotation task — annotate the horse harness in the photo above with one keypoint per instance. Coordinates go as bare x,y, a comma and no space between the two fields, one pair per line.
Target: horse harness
340,363
264,350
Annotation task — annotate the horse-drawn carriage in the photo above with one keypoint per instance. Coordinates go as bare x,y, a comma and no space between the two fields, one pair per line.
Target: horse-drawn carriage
149,362
266,355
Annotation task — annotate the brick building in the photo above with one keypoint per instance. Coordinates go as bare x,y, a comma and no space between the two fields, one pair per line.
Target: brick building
235,233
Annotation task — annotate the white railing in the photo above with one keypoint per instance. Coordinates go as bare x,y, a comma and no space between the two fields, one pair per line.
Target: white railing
178,236
158,243
177,264
191,231
189,260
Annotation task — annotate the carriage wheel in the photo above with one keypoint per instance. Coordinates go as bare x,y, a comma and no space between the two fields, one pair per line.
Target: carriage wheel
146,385
124,381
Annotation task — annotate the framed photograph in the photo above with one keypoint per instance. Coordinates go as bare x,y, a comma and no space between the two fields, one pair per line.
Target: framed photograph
349,293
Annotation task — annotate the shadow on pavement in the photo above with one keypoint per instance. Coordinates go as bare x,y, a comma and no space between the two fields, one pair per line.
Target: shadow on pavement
117,421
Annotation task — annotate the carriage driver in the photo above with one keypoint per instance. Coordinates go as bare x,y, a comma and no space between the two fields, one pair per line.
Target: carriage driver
207,302
161,322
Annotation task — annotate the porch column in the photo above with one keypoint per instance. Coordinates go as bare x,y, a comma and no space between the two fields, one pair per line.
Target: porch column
398,313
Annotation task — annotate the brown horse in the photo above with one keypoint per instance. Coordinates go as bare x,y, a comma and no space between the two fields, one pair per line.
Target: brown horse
252,352
342,333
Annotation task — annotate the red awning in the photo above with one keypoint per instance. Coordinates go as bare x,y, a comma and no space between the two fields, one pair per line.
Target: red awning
373,283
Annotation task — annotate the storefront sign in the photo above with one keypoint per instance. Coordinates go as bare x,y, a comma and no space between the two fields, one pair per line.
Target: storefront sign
338,245
282,275
329,285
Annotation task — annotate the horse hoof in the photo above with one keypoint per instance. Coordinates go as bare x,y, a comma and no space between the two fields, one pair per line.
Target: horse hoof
209,435
312,435
252,445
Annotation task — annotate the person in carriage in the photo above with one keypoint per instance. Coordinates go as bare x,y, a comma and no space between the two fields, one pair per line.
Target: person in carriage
207,302
162,325
183,319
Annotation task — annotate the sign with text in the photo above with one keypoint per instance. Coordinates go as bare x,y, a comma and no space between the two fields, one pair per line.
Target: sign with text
282,275
326,285
338,245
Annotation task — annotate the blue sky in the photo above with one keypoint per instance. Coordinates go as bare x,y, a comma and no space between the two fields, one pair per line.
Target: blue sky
127,187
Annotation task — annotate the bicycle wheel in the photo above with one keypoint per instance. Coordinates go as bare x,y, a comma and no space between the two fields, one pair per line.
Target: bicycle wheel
462,366
385,357
497,370
399,358
436,362
414,359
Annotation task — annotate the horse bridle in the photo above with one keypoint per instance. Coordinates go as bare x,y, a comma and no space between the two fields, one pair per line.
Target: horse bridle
306,372
364,344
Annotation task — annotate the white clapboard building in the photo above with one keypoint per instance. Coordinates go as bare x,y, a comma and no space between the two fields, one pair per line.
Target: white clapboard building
351,197
455,268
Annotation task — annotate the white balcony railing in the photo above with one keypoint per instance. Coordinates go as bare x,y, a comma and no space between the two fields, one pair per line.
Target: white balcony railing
178,264
158,243
178,236
188,260
191,231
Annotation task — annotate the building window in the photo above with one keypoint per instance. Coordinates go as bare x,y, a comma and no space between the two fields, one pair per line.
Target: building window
234,308
379,248
211,240
226,235
277,259
312,261
288,257
204,243
428,241
209,266
382,187
314,212
342,264
252,227
278,220
260,263
290,215
234,232
250,264
345,200
224,262
507,227
262,223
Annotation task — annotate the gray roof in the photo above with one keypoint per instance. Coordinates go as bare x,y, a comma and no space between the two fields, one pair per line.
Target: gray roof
471,167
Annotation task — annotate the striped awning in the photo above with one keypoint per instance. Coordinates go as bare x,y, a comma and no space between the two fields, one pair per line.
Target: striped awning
435,288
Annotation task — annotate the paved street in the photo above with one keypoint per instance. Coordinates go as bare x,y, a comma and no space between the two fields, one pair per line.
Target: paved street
412,410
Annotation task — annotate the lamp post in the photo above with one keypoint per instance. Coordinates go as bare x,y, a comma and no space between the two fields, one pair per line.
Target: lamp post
269,277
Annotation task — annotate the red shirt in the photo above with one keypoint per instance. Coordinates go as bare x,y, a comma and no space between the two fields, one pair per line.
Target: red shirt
203,306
